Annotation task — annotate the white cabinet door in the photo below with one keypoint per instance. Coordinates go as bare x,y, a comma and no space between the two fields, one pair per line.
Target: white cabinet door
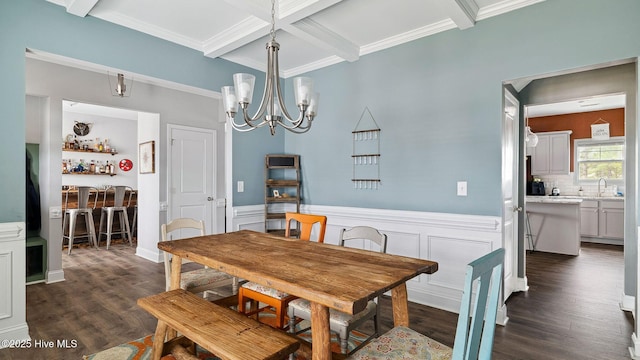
559,154
540,157
589,221
551,156
612,219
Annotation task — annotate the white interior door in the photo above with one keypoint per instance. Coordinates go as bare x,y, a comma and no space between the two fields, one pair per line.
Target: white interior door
192,181
510,156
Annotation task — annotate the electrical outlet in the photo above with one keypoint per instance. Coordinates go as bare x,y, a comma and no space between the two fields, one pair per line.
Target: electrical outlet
462,188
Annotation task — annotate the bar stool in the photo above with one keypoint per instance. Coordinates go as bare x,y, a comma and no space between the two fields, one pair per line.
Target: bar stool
528,233
134,222
70,215
118,207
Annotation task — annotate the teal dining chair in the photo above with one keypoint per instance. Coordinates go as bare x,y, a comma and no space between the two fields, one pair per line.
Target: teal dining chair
476,322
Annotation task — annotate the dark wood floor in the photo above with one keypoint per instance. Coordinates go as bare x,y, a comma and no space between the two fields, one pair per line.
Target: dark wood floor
571,310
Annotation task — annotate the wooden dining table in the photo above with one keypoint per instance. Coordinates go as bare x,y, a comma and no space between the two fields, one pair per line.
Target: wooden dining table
329,276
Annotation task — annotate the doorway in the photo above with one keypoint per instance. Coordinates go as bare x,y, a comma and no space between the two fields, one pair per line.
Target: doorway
587,83
100,150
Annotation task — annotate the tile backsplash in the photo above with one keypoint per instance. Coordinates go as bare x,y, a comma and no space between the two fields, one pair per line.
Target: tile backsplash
567,186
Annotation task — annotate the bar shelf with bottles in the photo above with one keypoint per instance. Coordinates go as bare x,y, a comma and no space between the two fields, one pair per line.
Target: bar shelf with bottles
92,167
88,146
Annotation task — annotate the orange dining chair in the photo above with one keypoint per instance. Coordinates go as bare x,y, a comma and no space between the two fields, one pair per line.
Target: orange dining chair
275,299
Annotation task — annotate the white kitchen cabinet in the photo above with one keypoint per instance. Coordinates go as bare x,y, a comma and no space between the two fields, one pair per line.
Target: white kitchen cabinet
589,218
552,154
611,222
602,219
555,224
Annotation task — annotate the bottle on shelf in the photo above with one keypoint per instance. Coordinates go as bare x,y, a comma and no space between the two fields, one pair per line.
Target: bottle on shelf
92,167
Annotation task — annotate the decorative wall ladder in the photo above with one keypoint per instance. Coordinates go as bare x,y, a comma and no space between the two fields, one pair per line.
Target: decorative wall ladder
366,152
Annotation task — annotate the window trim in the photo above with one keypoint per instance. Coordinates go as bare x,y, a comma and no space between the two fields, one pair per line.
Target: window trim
588,141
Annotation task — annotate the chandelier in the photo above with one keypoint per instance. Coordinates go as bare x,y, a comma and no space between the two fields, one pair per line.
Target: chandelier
272,111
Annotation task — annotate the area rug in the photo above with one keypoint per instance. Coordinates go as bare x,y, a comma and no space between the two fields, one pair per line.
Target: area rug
140,349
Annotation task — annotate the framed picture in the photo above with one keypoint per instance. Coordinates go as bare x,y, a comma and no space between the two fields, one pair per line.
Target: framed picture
276,193
147,157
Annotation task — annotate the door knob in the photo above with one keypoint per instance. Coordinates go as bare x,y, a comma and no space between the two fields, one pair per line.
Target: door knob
517,209
209,198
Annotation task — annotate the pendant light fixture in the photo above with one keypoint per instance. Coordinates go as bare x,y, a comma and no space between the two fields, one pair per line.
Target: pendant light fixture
272,111
531,139
119,86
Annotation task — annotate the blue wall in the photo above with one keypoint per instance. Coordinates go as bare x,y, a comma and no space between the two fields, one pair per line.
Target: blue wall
39,25
438,101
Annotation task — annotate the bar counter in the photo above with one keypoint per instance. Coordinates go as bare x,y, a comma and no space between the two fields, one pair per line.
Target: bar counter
72,202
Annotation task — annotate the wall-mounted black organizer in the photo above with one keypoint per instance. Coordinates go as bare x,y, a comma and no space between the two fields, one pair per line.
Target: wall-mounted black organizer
366,153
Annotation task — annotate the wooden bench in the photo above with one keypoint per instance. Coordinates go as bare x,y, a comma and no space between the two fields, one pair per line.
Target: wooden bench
226,333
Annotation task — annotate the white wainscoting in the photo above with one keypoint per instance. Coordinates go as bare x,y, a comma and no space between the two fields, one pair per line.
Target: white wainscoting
452,240
13,313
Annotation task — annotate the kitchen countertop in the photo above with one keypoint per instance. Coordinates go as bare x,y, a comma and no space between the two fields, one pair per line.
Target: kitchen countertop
554,200
569,199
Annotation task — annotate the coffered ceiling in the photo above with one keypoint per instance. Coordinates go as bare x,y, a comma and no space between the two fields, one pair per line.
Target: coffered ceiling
312,33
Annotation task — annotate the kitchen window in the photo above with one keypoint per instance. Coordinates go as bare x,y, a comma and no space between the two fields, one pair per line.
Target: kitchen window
597,159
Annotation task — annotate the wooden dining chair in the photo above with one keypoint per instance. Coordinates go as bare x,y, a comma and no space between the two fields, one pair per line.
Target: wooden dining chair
200,280
339,322
476,322
275,299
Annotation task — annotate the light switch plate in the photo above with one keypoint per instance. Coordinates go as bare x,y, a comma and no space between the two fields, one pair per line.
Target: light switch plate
55,212
240,186
462,188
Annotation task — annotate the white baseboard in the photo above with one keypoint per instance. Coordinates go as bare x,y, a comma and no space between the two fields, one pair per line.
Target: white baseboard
154,256
522,284
619,242
54,276
634,349
628,303
20,332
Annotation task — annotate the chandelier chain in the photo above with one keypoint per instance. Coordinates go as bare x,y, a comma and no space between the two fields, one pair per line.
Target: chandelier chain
273,20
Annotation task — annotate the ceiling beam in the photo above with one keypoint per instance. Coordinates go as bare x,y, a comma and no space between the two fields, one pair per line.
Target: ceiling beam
295,19
463,13
80,7
241,34
320,36
252,7
292,17
291,11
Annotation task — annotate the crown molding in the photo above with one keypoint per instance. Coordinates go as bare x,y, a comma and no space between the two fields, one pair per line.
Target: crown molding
88,66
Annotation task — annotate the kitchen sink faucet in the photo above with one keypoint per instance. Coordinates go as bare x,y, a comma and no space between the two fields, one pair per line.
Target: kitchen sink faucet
605,185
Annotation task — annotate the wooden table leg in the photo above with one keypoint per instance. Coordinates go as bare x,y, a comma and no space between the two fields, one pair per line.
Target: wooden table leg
176,269
399,301
320,334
